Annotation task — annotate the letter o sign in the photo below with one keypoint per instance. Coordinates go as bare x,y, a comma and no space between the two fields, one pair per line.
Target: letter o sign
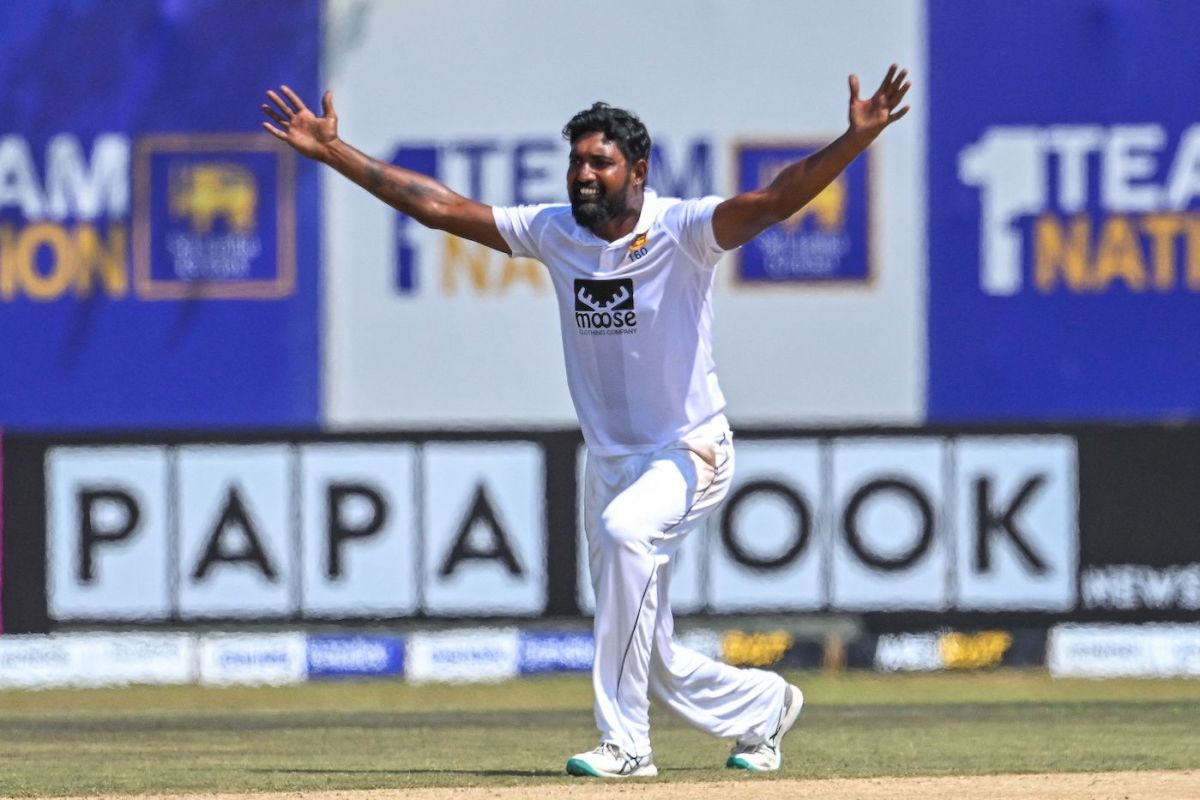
794,502
902,489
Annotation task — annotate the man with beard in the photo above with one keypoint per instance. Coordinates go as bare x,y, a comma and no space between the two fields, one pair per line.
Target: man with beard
633,275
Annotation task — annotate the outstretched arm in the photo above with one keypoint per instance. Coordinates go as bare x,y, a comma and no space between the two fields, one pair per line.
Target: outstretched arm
739,219
421,197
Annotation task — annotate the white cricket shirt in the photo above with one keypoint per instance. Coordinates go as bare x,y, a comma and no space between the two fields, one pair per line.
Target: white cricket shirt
636,317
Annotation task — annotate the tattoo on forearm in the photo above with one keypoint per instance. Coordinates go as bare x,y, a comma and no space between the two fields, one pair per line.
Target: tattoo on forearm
401,190
374,174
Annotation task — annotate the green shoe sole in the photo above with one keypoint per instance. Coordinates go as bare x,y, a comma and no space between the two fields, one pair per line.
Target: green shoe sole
577,766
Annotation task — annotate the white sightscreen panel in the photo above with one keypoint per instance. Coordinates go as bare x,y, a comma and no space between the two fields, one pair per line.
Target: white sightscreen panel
474,338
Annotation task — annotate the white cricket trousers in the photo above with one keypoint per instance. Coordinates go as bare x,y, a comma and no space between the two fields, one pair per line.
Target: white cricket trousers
637,510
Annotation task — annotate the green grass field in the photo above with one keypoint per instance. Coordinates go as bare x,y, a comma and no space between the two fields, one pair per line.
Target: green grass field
391,735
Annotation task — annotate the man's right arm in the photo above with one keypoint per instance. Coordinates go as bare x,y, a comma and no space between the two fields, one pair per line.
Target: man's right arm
421,197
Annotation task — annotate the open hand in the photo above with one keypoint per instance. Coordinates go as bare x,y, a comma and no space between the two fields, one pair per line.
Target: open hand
309,134
869,117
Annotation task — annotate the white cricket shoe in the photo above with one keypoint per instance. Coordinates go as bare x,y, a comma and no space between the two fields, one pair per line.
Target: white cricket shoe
610,761
765,756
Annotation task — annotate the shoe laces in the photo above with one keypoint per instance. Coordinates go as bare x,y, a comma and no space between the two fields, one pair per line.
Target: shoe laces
740,749
609,748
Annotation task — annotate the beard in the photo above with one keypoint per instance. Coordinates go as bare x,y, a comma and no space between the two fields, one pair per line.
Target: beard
591,213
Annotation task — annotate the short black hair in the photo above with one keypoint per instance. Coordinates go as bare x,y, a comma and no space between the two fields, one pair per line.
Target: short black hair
617,125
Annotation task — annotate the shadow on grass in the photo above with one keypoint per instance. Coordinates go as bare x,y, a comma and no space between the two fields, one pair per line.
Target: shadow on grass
495,773
513,773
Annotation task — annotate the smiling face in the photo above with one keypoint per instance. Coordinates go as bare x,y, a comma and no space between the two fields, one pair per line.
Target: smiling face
600,182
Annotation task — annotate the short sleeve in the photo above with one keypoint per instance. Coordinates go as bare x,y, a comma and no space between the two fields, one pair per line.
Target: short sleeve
516,225
695,230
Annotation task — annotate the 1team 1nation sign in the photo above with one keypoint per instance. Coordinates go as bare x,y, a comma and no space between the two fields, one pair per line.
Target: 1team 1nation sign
1083,524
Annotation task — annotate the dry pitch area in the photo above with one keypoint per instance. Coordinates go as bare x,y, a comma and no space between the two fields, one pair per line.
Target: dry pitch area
1180,785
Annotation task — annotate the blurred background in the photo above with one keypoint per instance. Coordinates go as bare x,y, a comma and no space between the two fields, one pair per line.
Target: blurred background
256,426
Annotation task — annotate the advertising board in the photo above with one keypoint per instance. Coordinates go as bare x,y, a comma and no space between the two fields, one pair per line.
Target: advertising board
1064,260
158,252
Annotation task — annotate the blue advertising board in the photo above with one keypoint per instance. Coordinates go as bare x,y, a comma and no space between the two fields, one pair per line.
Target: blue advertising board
158,250
1064,210
829,240
355,656
555,652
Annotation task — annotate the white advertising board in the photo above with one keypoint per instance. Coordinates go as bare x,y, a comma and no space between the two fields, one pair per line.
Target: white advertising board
467,656
473,336
96,659
1113,651
229,659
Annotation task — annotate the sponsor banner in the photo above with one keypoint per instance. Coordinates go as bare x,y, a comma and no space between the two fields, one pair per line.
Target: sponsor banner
958,650
196,532
1110,651
253,658
1138,516
827,240
158,252
469,656
1064,212
362,656
556,652
974,523
120,658
96,659
704,641
758,649
908,652
38,662
483,325
1092,525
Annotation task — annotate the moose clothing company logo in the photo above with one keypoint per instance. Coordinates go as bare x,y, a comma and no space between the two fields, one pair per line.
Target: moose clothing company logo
605,306
214,217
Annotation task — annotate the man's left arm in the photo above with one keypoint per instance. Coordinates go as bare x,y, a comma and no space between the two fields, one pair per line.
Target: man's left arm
739,219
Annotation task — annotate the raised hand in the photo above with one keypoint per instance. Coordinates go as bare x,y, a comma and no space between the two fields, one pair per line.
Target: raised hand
309,134
869,117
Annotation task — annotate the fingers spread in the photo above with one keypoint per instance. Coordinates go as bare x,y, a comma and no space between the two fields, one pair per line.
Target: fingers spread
273,114
283,107
294,98
271,129
895,99
887,79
